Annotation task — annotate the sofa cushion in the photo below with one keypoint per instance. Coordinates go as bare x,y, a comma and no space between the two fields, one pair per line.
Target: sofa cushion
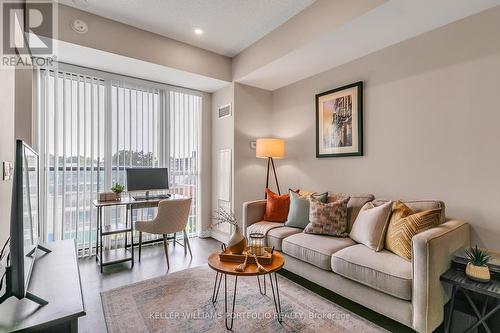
276,206
263,227
298,215
382,270
371,225
275,236
316,250
401,231
421,205
328,218
356,202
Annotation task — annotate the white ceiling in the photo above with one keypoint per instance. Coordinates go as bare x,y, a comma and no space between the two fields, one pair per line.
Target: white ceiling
388,24
229,25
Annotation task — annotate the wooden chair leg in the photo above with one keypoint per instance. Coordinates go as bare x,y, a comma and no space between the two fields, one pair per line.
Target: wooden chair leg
187,243
140,245
165,247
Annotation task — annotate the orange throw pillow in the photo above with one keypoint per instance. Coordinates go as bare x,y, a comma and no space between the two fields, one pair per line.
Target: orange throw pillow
276,207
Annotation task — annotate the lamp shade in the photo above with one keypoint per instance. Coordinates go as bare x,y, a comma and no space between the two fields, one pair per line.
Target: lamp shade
270,147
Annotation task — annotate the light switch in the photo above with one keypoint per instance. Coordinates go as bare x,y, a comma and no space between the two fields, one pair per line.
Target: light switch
8,170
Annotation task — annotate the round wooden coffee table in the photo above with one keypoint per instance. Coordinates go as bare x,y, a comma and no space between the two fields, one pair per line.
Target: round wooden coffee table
224,268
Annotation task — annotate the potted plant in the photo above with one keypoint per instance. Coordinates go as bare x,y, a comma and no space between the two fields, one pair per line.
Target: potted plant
237,241
117,190
476,267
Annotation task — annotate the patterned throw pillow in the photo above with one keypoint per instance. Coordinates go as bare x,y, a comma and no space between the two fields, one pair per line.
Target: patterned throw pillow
407,224
298,215
399,211
276,207
328,218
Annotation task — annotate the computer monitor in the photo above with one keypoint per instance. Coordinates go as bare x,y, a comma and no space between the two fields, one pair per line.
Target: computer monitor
147,179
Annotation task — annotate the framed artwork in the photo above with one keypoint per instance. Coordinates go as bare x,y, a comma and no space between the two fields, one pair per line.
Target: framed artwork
339,122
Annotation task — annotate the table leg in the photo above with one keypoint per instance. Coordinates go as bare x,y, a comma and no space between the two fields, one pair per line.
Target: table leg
450,310
485,306
276,298
97,234
215,293
131,235
480,319
231,319
126,226
260,288
100,238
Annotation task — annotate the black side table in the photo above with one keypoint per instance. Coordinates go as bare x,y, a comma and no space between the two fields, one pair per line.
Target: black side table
460,281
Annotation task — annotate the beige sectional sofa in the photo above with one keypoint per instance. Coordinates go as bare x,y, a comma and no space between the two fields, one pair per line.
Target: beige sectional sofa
408,292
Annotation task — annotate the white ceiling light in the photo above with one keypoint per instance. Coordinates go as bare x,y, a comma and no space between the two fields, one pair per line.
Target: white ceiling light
198,31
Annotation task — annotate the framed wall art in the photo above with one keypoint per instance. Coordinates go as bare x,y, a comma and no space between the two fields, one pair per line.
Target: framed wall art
339,122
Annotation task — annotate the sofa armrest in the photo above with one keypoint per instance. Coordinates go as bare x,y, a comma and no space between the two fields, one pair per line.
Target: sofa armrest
432,251
253,211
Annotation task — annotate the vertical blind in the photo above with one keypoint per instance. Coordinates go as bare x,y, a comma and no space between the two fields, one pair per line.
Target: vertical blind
91,128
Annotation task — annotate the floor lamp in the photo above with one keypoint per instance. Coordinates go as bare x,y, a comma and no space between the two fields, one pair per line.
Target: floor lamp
270,148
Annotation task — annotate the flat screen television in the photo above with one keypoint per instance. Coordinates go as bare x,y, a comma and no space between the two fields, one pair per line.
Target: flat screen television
24,224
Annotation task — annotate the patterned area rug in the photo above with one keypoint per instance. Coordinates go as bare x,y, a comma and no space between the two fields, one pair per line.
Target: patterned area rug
181,302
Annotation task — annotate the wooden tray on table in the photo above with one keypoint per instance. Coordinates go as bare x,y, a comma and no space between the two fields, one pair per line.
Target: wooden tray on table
265,259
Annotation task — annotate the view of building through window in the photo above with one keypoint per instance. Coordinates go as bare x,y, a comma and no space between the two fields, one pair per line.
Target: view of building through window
91,129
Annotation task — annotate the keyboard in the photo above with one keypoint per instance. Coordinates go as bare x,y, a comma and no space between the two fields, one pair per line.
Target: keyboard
151,197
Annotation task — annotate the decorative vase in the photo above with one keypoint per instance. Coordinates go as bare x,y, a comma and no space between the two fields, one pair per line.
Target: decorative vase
237,242
477,273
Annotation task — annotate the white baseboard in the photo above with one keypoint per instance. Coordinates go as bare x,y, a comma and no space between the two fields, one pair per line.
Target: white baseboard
220,236
205,234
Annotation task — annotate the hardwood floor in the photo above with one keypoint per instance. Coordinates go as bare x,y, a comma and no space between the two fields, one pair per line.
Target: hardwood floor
153,264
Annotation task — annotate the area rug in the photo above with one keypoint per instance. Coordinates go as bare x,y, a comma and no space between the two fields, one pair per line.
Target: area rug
181,302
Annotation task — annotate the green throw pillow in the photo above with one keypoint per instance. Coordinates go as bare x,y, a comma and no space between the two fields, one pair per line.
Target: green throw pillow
298,214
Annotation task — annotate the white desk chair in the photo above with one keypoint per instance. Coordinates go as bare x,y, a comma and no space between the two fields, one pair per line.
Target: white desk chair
172,217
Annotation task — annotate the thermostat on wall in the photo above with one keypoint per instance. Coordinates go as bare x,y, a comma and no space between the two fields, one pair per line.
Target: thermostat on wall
8,170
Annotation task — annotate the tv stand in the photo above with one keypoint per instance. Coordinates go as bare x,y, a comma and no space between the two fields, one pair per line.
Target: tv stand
35,298
56,278
28,295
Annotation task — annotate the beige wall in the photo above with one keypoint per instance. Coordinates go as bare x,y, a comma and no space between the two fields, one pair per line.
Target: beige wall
431,124
323,16
206,164
222,138
252,121
119,38
7,98
24,105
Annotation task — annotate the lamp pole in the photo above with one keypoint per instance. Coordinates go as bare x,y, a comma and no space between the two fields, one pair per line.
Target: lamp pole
270,162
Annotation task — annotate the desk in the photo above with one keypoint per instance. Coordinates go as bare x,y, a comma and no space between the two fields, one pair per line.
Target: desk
55,278
109,257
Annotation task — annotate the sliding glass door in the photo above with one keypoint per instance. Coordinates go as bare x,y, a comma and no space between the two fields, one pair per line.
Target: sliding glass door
91,126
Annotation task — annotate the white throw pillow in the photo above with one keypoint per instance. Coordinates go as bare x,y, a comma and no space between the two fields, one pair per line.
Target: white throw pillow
371,225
